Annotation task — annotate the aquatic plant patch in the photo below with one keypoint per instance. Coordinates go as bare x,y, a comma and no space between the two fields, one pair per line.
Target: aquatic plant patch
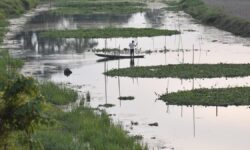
184,71
86,8
209,97
108,33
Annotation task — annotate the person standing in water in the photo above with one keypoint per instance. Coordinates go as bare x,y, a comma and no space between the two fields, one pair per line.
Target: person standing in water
132,46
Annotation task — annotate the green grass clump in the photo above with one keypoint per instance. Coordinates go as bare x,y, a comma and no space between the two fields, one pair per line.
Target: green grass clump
58,94
84,129
184,71
210,97
216,17
100,7
108,33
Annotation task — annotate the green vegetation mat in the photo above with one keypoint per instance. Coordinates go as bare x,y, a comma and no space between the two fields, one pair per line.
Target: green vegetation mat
98,7
210,97
108,33
215,17
184,71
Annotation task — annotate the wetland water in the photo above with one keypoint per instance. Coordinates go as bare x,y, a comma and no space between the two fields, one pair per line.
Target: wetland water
180,127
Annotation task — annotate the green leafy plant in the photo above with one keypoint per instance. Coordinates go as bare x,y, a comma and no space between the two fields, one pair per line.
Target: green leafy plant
21,109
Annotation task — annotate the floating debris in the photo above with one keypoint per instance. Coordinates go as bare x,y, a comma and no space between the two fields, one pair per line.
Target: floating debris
134,123
106,105
154,124
190,30
126,98
67,72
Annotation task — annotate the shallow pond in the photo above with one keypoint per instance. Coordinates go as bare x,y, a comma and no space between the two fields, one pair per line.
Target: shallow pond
180,127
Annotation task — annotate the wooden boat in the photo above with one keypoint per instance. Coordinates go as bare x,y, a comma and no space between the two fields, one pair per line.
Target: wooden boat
117,56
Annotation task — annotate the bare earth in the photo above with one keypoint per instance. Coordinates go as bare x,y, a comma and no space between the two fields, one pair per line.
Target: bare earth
238,8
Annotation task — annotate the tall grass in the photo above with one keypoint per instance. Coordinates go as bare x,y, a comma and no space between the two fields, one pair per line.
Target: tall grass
58,94
84,129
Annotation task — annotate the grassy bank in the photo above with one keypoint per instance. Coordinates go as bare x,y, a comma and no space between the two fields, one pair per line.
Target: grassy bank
184,71
215,17
84,129
108,33
97,7
210,97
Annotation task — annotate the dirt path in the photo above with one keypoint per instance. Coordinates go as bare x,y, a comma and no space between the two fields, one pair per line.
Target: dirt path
238,8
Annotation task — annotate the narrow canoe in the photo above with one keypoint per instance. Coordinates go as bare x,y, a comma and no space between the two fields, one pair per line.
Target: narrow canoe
121,56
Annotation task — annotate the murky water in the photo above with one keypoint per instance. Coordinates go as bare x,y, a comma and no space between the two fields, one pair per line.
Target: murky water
180,127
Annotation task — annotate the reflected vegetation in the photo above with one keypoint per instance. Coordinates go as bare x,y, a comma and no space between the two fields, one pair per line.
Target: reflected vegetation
46,21
155,17
45,46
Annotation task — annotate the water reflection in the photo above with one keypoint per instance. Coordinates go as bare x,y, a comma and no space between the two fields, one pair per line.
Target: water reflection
46,21
44,46
155,17
132,62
